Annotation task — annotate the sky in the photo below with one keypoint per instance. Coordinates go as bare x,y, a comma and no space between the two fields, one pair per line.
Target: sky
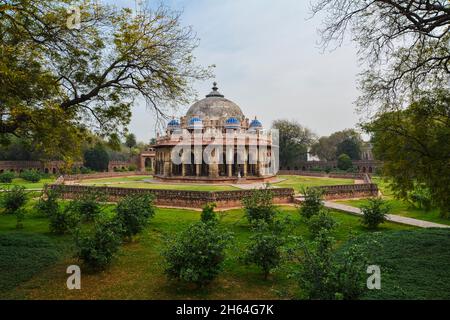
268,61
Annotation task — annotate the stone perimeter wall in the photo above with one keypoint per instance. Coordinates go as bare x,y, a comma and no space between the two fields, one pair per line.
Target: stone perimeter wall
102,175
176,198
352,191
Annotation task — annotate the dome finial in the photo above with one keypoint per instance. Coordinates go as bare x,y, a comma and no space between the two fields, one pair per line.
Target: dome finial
215,86
215,91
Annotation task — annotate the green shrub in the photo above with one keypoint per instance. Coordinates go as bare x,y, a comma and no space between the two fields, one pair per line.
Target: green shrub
88,205
47,203
312,203
208,214
31,176
132,167
13,199
134,212
197,254
7,177
344,162
321,221
63,221
421,198
324,275
20,215
98,247
259,206
374,213
265,248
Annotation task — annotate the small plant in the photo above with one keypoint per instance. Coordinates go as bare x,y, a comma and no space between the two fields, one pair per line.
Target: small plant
321,221
208,214
48,203
98,247
197,254
259,206
265,248
63,221
312,203
7,177
421,198
132,167
374,213
88,205
31,176
20,215
13,199
133,213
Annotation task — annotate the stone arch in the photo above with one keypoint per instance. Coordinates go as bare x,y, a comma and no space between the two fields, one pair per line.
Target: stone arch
370,170
46,170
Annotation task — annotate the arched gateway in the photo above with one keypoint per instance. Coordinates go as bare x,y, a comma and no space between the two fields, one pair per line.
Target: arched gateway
215,142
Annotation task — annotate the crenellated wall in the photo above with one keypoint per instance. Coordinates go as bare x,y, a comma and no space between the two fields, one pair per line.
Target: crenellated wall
176,198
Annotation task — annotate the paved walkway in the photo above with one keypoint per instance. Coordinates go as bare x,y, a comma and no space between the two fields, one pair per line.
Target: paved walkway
390,217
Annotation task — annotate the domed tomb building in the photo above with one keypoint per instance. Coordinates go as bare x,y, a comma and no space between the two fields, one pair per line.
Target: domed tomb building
214,142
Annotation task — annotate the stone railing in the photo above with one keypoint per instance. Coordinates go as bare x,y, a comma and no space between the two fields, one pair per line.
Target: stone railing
349,191
176,198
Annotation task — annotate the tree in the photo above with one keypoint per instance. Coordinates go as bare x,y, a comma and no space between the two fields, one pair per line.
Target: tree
330,148
374,213
96,158
264,249
197,254
294,142
259,206
344,162
58,81
405,45
130,141
351,147
133,213
312,204
414,146
208,214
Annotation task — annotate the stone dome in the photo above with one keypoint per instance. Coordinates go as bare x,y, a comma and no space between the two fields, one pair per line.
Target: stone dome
215,106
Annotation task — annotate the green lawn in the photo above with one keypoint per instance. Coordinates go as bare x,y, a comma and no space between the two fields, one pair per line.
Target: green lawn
400,207
414,264
299,182
138,271
27,184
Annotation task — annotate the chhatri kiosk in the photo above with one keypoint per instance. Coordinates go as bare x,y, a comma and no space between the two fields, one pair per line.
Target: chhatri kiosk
215,143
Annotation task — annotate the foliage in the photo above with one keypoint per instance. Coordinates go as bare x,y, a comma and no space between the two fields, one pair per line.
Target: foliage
330,148
20,215
403,43
99,246
324,275
351,146
13,199
48,202
259,206
130,141
31,175
344,162
312,203
197,254
420,196
22,255
97,158
133,213
294,141
57,80
88,205
265,248
374,212
208,214
7,177
414,146
63,221
320,221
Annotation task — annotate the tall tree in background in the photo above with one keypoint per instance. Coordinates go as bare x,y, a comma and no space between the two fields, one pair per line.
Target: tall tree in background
405,45
130,141
295,141
97,158
57,81
414,145
347,141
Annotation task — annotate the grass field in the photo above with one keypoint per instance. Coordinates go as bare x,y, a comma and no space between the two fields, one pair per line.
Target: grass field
414,264
300,182
400,207
138,271
28,185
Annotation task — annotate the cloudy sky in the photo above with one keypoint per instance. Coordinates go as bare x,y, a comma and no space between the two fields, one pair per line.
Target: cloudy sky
267,61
